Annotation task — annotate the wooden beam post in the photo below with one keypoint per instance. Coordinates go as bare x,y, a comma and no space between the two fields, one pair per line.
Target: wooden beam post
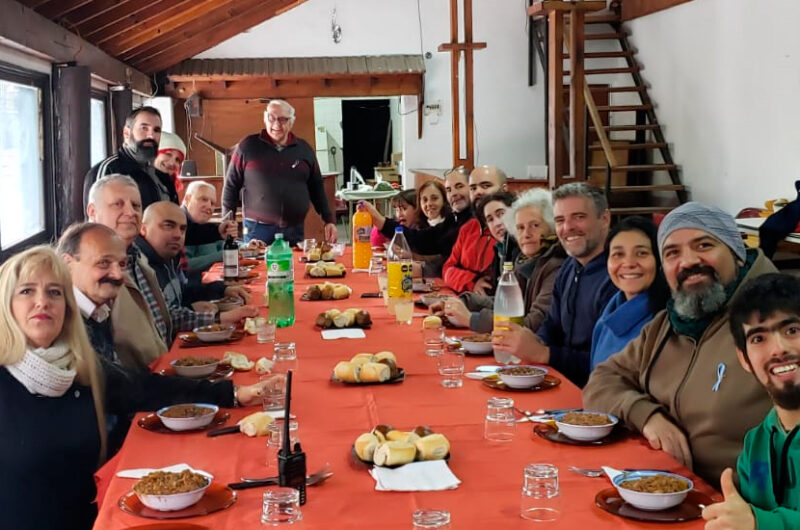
577,114
555,93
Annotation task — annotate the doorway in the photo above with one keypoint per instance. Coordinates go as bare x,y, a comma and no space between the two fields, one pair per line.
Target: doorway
367,135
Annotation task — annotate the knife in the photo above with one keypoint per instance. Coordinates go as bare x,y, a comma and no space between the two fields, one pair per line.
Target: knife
223,430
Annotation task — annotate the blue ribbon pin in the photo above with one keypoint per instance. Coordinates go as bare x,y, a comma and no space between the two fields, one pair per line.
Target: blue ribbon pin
720,375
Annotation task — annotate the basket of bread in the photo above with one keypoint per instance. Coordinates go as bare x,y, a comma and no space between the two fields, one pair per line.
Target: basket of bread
370,369
324,269
388,447
326,291
349,318
323,251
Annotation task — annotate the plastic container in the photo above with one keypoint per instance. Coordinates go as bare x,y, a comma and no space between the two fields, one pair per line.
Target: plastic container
280,282
230,259
398,271
362,248
508,305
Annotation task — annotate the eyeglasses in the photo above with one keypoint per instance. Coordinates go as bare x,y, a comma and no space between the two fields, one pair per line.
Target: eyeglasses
280,119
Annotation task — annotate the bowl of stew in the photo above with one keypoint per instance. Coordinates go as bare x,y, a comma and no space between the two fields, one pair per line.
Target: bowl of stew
585,426
652,490
194,367
523,376
187,416
168,491
214,332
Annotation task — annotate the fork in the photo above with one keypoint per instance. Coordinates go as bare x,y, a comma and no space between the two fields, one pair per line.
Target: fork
587,472
318,476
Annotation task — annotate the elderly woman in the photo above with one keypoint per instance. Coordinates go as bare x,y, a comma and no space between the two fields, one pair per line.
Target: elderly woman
530,221
634,267
54,395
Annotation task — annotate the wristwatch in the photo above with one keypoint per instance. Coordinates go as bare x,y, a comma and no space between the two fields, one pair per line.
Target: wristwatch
235,396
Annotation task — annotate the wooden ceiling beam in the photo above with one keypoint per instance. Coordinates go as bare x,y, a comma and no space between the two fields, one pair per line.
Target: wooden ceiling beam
79,17
117,15
168,22
58,9
131,23
193,39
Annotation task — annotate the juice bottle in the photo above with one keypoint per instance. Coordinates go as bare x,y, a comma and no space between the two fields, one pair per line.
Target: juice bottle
362,249
508,305
280,282
398,271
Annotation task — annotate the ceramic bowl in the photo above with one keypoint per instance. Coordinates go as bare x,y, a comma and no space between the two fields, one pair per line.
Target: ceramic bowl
651,501
522,376
194,372
191,423
175,501
214,332
586,433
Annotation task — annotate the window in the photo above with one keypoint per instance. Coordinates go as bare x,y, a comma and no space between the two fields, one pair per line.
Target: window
26,211
99,132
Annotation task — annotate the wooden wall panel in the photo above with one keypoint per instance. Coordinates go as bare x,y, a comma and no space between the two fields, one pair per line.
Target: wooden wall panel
638,8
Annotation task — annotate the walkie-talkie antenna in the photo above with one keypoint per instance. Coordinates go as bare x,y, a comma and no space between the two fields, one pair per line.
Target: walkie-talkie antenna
286,442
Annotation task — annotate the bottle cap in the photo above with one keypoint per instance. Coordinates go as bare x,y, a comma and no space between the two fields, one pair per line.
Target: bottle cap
508,266
279,236
398,229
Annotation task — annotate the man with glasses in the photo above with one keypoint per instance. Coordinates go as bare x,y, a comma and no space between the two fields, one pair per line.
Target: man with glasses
277,175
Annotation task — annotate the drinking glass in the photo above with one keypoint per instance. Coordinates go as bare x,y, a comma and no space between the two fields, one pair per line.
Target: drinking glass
308,244
404,310
451,367
281,505
274,393
499,425
431,519
540,500
383,287
284,357
433,340
376,266
265,330
275,440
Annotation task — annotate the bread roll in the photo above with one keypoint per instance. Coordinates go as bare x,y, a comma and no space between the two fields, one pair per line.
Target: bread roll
344,320
365,446
380,431
385,355
256,424
264,365
362,358
340,292
238,361
393,371
432,447
374,373
347,372
397,436
394,454
431,321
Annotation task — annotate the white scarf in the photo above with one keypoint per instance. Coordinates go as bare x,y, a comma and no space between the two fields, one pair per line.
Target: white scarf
46,371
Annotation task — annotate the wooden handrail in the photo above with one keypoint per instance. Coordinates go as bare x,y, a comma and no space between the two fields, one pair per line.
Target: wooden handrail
541,9
598,126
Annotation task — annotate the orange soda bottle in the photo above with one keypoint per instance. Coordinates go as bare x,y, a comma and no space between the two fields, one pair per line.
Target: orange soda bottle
362,249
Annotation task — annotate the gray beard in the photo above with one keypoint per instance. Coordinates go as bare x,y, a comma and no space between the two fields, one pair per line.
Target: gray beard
699,304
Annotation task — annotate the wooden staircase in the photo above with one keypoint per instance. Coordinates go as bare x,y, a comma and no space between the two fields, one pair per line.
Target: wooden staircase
647,180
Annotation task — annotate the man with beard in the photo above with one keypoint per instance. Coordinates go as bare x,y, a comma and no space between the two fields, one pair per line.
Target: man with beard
141,133
679,382
765,323
437,239
582,288
469,266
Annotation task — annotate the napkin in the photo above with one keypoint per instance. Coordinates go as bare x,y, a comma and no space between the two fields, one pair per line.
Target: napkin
349,333
176,468
432,475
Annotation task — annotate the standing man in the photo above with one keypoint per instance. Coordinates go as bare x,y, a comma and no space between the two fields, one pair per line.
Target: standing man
277,175
581,291
469,266
141,133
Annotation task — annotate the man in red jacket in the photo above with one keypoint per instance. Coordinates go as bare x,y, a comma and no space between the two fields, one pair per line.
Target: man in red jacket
469,264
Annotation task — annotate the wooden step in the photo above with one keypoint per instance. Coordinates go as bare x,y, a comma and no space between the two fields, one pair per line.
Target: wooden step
631,147
637,167
606,17
653,187
623,108
601,71
606,55
616,128
639,210
605,36
616,89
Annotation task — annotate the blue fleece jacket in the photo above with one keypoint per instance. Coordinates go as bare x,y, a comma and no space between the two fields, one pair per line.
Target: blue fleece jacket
621,322
579,297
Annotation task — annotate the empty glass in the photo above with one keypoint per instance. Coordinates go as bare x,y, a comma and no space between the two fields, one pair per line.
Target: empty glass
273,396
451,367
275,441
265,330
431,519
433,340
540,499
383,287
376,265
284,357
308,244
500,425
281,505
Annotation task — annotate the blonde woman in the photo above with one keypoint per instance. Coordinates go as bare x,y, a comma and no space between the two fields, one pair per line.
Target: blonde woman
54,392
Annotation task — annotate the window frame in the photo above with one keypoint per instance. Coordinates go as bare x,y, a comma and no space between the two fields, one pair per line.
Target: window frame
102,95
24,76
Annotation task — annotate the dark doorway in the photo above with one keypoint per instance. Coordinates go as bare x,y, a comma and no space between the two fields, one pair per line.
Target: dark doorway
366,133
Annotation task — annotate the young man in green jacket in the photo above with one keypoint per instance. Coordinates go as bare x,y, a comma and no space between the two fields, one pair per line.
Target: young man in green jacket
765,322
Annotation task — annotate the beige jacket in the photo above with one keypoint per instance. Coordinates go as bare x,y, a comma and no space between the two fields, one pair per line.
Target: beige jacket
661,371
136,338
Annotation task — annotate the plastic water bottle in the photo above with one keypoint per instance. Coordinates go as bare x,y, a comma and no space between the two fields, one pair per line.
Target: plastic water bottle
398,272
508,306
280,282
362,249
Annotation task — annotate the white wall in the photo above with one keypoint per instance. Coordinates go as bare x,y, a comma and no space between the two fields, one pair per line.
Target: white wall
725,78
508,114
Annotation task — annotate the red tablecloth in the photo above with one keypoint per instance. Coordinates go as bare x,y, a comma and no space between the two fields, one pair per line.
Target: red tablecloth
331,416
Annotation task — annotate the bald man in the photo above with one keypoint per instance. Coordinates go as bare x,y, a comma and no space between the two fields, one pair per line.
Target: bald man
469,266
161,240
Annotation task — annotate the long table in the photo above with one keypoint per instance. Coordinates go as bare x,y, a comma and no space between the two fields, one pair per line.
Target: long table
332,415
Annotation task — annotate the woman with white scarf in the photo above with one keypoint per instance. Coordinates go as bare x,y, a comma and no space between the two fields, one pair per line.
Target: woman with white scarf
54,393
